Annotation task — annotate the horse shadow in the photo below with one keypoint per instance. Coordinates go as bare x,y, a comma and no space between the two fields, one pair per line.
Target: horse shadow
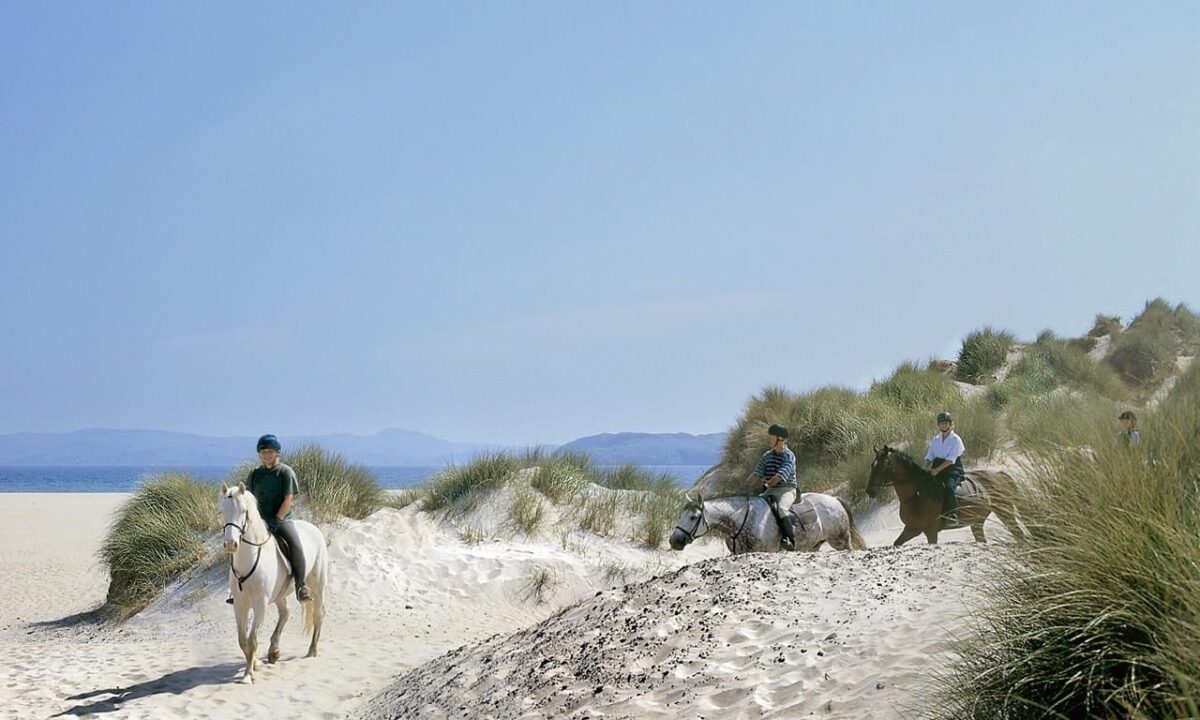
174,683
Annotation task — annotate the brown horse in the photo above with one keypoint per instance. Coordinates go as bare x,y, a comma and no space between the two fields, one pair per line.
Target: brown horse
982,493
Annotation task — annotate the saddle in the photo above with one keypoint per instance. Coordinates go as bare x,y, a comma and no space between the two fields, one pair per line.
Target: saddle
803,512
284,551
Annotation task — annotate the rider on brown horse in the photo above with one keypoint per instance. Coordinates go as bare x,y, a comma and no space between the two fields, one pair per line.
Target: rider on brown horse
776,471
945,462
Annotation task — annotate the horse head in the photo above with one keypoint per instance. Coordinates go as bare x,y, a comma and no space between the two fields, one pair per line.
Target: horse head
881,470
234,502
691,519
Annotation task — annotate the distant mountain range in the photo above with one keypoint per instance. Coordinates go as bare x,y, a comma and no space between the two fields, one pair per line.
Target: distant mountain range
389,447
650,448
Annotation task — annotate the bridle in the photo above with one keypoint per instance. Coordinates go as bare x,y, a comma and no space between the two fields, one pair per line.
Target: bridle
891,481
692,536
242,538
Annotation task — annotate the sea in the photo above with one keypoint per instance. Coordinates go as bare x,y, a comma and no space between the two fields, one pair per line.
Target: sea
123,479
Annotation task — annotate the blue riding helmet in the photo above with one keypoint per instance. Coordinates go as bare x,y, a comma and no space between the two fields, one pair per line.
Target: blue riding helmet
268,442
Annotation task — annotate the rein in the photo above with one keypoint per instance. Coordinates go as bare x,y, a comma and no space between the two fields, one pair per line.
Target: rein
242,538
692,536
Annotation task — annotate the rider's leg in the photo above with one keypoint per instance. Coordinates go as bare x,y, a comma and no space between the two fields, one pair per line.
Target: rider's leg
287,530
784,497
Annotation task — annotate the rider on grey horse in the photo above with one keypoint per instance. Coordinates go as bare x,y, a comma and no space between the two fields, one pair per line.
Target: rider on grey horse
776,471
945,462
275,487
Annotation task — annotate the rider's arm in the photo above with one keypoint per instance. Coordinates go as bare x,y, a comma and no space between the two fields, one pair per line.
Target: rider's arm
286,507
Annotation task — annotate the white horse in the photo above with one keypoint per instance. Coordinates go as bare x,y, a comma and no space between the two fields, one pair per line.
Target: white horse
259,574
749,525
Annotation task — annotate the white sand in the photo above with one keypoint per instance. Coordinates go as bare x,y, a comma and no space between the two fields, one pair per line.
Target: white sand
404,591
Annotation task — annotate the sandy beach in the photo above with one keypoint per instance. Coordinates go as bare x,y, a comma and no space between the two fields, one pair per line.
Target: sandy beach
644,633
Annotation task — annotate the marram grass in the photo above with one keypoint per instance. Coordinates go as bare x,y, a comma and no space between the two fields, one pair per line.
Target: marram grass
1099,616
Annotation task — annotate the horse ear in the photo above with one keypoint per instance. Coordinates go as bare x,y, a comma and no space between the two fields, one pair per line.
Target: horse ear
700,499
875,449
241,486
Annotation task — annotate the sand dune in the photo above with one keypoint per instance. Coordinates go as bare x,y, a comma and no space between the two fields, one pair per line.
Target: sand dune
840,634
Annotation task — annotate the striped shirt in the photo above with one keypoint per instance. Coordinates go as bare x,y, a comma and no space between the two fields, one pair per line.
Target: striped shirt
782,464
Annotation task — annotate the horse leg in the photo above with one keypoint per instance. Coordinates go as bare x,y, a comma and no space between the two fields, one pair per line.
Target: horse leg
908,533
931,536
318,617
244,641
260,612
281,606
977,531
1008,515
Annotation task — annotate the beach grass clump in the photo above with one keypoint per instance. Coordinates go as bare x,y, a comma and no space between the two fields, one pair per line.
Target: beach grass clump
1062,420
655,511
598,513
1099,615
982,353
333,488
1144,354
540,583
1074,368
459,487
561,476
914,387
634,477
1105,325
528,511
157,534
400,499
1031,376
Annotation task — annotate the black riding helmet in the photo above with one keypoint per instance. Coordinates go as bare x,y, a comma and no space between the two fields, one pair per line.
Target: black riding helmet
778,431
944,416
268,442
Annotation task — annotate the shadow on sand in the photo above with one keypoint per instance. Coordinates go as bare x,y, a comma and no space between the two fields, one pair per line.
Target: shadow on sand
91,617
174,683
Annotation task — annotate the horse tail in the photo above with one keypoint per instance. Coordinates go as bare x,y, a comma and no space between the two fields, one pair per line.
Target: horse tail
317,578
856,539
1003,494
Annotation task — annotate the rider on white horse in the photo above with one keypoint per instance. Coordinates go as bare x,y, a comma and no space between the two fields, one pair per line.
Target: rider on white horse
776,471
275,487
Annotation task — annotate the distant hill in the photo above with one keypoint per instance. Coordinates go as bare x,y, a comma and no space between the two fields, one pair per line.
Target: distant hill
388,447
650,448
156,447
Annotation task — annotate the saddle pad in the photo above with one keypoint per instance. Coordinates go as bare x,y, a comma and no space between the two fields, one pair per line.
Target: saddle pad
804,511
969,487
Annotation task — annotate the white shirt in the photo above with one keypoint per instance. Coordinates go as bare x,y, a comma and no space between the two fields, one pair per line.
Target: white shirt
949,447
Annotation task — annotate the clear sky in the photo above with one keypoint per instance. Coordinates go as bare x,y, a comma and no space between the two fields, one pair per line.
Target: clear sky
527,222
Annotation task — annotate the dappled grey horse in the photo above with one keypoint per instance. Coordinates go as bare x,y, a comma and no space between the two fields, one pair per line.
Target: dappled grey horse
748,524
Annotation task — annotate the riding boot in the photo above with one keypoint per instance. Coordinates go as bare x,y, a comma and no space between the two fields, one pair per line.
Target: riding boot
788,533
951,507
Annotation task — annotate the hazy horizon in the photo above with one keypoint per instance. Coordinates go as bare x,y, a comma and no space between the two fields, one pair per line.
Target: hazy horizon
524,225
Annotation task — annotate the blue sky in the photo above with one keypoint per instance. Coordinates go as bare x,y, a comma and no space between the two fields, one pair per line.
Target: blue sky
527,222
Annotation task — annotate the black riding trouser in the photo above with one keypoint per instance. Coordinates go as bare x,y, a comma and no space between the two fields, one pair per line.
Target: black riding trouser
951,478
285,532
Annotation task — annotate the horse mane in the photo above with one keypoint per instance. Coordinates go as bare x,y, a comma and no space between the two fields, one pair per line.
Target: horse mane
246,501
925,479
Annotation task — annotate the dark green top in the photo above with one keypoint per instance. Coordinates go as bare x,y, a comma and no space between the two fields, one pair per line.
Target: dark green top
270,487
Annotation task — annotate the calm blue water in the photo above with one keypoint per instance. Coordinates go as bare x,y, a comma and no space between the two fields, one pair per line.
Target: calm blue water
78,478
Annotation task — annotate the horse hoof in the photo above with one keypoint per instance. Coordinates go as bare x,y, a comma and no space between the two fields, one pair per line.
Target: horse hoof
273,656
248,680
311,653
